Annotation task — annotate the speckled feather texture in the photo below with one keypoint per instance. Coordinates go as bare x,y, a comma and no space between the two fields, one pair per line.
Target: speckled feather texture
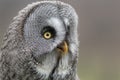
26,55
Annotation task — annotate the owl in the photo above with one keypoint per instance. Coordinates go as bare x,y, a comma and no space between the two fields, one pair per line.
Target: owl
41,43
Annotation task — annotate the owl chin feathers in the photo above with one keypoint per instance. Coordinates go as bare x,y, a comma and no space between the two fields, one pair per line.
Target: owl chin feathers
55,67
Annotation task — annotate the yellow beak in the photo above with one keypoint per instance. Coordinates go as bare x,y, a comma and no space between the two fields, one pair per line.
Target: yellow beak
63,47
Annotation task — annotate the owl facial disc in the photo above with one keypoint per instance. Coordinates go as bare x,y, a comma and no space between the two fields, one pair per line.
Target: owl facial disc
63,47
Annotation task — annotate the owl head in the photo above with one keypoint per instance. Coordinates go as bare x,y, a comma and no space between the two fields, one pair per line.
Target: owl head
51,26
47,31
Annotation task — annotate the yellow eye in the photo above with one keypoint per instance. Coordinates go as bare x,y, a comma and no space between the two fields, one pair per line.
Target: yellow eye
47,35
48,32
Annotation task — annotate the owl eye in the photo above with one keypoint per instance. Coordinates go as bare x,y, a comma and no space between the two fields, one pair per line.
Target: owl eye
48,32
47,35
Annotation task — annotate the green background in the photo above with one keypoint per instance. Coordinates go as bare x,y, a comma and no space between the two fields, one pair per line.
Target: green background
99,35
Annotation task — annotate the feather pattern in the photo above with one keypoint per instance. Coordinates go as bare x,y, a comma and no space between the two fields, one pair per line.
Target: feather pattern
26,55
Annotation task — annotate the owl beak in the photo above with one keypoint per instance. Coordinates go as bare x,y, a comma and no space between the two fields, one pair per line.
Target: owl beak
63,47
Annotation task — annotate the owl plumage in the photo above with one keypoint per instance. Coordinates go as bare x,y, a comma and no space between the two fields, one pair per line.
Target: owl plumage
41,43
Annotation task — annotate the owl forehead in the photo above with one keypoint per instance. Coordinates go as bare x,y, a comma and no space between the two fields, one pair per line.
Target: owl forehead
53,14
49,10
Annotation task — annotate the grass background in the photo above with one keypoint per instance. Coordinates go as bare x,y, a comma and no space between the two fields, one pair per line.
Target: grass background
99,35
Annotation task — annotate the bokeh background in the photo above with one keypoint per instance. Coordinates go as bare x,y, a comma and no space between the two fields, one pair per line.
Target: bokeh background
99,35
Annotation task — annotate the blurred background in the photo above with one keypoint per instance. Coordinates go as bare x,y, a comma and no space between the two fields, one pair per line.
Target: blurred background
99,35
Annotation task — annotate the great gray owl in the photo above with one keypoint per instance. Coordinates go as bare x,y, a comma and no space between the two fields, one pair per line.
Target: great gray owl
41,43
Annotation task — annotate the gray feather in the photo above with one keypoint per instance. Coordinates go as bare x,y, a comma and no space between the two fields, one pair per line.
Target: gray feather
26,55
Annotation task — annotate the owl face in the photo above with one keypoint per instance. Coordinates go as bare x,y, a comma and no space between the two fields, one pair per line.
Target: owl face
50,30
48,26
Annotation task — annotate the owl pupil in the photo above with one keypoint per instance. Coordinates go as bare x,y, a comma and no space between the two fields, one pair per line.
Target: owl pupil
47,35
